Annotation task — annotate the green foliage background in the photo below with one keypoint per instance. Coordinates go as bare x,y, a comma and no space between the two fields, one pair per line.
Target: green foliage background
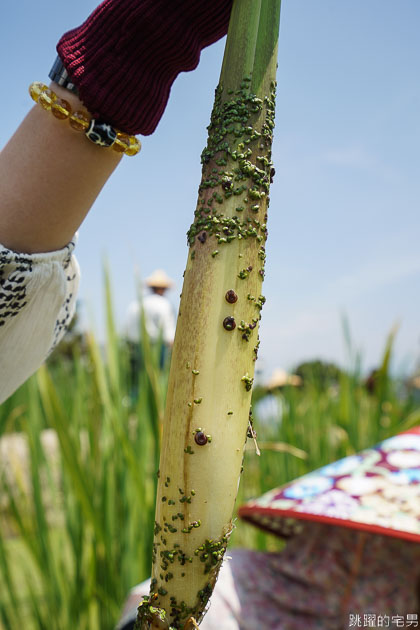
77,525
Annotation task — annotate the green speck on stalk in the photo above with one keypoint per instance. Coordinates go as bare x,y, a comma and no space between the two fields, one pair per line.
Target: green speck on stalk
247,381
256,348
214,254
259,303
197,401
247,328
185,499
189,450
195,372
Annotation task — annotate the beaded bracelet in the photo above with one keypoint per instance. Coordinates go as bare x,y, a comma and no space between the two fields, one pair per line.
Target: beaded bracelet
97,132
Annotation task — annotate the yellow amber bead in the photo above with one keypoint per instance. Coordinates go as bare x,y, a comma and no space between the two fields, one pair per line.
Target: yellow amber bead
79,121
61,108
36,89
46,98
122,142
134,147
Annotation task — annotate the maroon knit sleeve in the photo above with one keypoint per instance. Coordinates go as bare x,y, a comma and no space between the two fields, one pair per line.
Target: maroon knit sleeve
126,55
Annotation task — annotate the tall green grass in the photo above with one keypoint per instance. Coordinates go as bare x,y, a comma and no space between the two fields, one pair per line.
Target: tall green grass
81,534
76,529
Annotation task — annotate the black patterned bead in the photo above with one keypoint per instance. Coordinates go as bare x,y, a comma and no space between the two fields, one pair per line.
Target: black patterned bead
101,133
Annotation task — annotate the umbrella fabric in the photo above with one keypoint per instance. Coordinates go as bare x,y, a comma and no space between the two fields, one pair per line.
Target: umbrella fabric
377,490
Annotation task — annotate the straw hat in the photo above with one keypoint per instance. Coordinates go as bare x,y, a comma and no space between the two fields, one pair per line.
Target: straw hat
160,280
280,378
377,490
415,382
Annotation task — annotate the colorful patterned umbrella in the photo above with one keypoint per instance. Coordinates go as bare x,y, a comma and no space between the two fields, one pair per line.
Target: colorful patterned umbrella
377,490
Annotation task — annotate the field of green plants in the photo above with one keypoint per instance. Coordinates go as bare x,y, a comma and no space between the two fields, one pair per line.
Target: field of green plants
77,499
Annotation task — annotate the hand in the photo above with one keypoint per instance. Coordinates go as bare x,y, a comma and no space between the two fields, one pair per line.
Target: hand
126,55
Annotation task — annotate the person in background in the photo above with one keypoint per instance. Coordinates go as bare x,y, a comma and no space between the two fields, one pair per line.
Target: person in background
158,311
159,318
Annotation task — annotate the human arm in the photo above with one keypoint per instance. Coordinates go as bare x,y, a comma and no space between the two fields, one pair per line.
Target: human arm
50,175
123,60
49,178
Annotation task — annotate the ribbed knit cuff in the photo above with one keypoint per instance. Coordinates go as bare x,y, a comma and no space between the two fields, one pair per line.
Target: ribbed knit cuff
126,55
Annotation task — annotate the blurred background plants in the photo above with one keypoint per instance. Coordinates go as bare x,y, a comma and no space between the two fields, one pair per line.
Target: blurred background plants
79,455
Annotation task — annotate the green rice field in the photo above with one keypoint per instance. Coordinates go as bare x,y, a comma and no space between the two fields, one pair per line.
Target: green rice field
78,478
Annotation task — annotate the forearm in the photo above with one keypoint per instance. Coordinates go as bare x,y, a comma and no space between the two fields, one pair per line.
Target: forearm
123,60
50,175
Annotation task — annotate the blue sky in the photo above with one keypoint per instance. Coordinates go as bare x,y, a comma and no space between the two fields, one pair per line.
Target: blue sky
344,216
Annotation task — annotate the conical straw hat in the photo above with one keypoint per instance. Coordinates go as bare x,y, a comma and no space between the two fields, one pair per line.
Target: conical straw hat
377,490
280,378
160,280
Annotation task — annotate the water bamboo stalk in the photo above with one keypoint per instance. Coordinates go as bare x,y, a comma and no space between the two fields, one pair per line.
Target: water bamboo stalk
209,393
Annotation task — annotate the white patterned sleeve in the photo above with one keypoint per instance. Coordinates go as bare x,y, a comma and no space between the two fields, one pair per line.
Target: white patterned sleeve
37,301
